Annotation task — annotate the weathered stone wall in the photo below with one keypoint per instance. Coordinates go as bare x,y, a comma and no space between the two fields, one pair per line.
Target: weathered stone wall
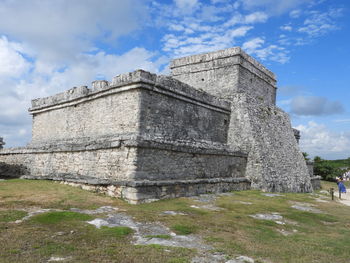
181,120
137,103
225,72
275,162
187,163
101,116
257,126
136,170
99,165
310,168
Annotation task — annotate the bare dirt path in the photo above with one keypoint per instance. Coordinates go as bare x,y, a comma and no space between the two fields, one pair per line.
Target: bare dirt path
345,198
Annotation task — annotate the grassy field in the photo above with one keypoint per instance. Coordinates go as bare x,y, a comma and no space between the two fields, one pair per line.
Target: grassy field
60,232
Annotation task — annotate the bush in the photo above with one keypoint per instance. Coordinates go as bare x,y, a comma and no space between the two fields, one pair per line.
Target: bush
326,170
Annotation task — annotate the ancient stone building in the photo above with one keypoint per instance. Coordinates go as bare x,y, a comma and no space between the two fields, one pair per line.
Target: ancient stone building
212,126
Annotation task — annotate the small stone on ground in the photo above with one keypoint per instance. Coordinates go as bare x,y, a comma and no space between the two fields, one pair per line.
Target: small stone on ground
172,213
56,259
276,217
100,210
306,207
271,195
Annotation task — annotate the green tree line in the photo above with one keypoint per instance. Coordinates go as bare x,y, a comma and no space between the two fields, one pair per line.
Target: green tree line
329,169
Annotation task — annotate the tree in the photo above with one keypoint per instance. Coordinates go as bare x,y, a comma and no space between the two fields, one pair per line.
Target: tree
326,170
305,154
317,159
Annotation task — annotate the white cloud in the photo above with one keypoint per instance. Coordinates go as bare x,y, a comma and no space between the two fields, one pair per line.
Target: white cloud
12,63
317,139
184,45
269,52
57,30
286,28
318,23
295,13
256,17
272,6
251,45
252,18
315,106
187,6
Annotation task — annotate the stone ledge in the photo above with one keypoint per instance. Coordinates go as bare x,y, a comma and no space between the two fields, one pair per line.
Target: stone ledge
151,192
95,181
135,80
90,144
230,52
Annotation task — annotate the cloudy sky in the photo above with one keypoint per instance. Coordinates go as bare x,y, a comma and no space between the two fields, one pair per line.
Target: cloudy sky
49,46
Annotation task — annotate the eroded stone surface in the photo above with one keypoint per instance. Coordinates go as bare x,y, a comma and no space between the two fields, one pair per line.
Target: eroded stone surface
208,207
205,198
146,233
276,217
210,258
220,258
241,259
306,207
172,213
271,195
100,210
59,259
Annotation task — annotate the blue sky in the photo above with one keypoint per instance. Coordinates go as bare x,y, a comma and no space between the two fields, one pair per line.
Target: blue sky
50,46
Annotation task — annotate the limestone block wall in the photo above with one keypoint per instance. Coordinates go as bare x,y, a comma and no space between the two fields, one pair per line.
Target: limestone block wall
93,116
275,162
139,104
94,165
257,126
171,118
225,72
182,162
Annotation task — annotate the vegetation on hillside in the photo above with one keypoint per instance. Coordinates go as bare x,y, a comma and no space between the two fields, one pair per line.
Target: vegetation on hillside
330,169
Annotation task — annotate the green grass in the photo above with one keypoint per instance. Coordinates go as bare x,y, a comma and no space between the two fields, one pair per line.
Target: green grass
11,215
117,231
183,229
320,238
59,216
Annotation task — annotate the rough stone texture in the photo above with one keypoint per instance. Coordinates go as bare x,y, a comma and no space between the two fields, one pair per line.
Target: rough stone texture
257,126
310,168
315,180
225,72
296,134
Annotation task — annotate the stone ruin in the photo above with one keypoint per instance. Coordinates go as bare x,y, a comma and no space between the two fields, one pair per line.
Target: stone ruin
211,126
2,143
